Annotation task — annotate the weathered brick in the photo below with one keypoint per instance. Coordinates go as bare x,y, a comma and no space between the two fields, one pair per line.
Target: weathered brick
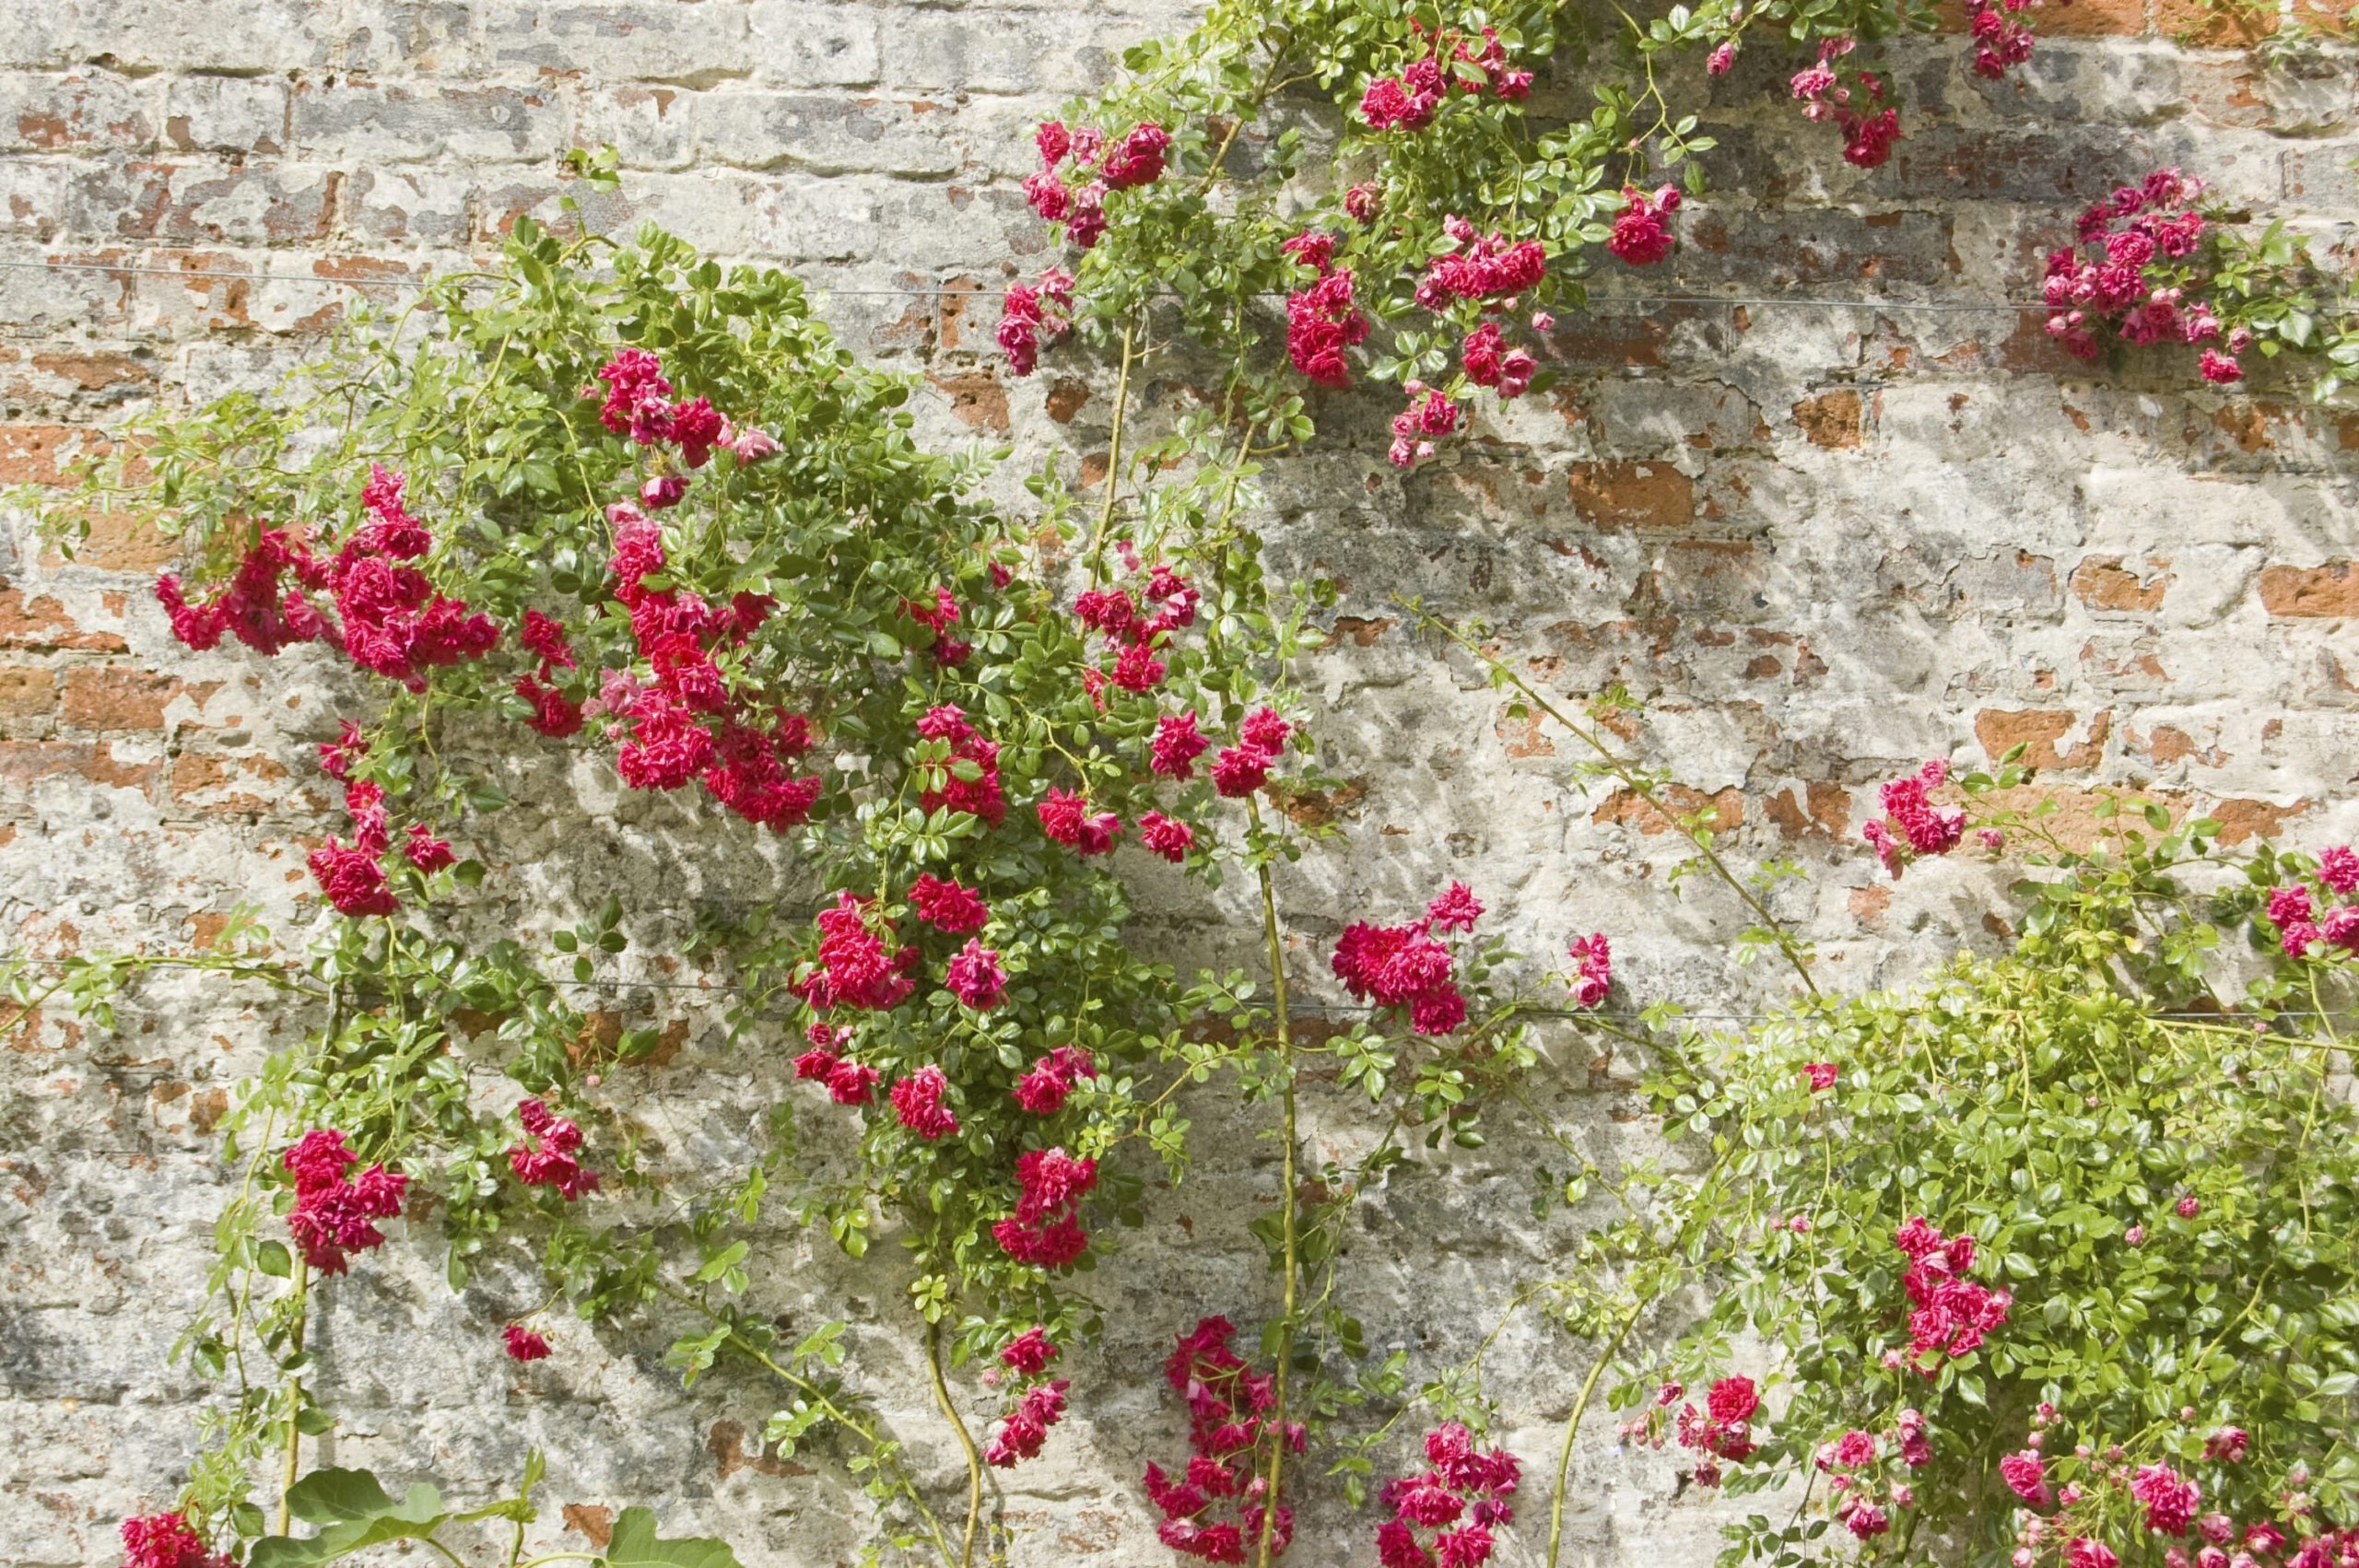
227,115
401,123
40,623
1824,810
27,690
2102,582
822,133
2231,25
2093,19
2328,590
37,454
413,38
415,206
231,785
1726,809
804,43
25,764
75,113
116,697
271,204
1632,495
1830,419
976,399
626,40
2039,730
251,36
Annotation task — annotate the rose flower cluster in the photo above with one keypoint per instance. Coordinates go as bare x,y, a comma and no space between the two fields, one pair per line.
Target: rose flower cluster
1409,101
2324,918
1028,314
353,875
167,1540
1851,98
1025,1429
1460,1497
1100,166
550,1155
2131,276
334,1215
2166,1503
1721,1430
1228,1420
1953,1312
1912,825
388,619
1406,966
1863,1496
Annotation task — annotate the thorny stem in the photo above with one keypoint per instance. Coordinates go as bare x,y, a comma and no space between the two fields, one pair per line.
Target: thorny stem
828,1407
1290,1240
965,1442
1637,783
295,1395
1573,1426
1113,462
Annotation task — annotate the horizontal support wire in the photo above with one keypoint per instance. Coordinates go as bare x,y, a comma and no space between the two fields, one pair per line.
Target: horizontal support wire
964,291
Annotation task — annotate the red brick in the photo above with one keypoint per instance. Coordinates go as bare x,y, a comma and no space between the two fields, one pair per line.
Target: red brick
112,697
1065,400
976,399
25,763
42,623
37,454
27,690
2102,582
122,541
209,775
1632,495
1823,812
2093,19
1630,807
2037,730
2325,591
1830,419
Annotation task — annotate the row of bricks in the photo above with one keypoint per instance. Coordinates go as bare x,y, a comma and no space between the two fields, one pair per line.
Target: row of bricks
967,112
979,47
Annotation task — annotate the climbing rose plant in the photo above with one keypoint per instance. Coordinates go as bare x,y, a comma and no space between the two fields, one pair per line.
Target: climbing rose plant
1427,188
646,514
623,506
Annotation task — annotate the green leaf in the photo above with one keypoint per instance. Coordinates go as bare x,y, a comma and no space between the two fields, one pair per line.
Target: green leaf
636,1545
355,1514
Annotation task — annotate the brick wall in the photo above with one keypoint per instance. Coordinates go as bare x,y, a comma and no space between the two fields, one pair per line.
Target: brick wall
1820,542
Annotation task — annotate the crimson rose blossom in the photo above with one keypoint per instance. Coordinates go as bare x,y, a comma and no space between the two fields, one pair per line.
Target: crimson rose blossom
1029,1352
1027,1427
948,906
975,978
523,1344
1639,237
1177,745
1044,1231
332,1215
550,1155
1065,817
167,1540
916,1102
1043,1090
1229,1407
1465,1487
1403,966
1912,825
